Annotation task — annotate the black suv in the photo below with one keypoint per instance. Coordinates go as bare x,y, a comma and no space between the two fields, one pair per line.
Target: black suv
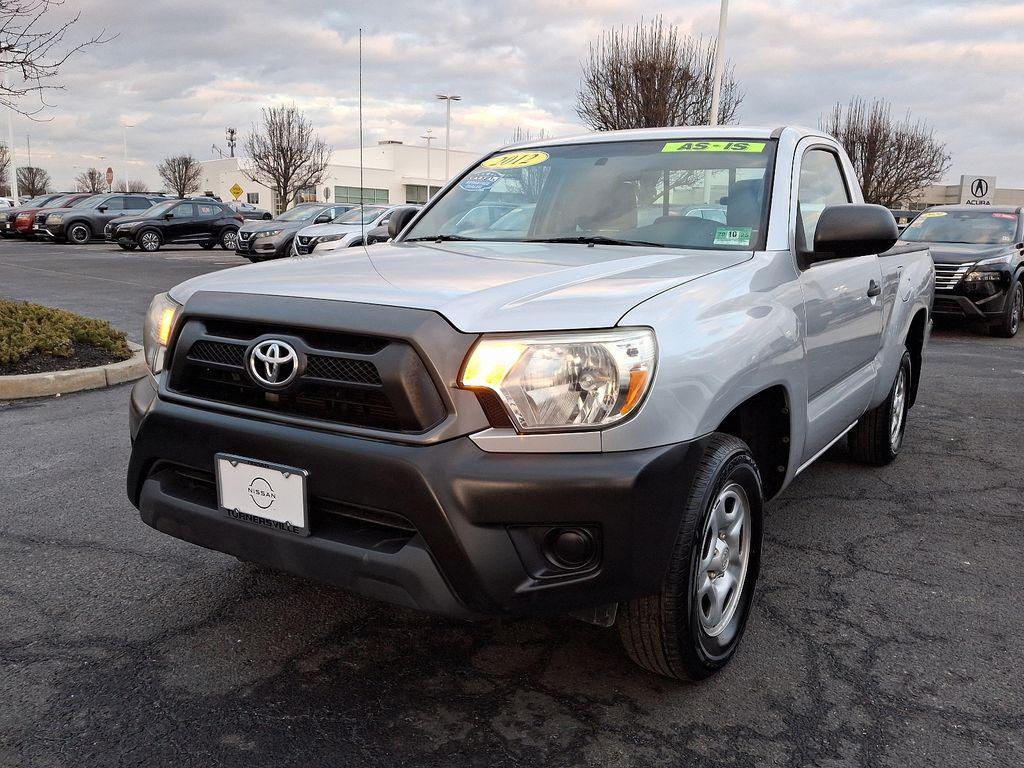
177,221
87,218
979,263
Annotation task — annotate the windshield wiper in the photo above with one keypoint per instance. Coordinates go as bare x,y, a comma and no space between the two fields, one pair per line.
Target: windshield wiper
593,240
440,238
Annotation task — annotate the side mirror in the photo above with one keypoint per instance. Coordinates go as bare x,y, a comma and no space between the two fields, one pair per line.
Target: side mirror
851,229
323,218
102,209
399,220
168,216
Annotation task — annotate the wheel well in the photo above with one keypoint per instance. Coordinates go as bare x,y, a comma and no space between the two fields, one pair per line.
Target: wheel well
763,423
915,345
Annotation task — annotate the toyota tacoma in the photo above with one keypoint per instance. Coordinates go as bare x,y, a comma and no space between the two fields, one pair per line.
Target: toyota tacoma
584,415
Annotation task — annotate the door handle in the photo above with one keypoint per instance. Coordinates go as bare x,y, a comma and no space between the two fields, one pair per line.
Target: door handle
874,289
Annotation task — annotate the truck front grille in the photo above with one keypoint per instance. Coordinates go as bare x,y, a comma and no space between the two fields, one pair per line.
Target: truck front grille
948,276
361,381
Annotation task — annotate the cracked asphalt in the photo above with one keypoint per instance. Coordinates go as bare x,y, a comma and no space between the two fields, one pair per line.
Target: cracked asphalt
887,628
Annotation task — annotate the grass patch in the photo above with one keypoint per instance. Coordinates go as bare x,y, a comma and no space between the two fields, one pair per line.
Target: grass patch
32,330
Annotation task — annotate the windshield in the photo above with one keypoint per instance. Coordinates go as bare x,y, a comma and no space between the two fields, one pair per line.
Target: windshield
159,209
57,202
624,192
300,213
360,215
976,227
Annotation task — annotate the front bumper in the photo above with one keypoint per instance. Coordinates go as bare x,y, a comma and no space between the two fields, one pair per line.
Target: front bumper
980,303
470,544
259,248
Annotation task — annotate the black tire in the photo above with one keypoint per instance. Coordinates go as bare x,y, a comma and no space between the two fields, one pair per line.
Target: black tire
149,240
229,239
78,233
667,633
1007,327
877,439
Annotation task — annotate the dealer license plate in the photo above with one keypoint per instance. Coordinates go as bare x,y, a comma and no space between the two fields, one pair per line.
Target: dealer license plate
269,495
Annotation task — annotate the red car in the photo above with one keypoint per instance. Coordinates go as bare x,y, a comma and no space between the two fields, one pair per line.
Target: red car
25,218
8,216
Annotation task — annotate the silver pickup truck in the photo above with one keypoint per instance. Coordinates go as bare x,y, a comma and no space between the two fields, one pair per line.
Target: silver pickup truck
578,406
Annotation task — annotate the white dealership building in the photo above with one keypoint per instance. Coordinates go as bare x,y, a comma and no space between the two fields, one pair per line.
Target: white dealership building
392,172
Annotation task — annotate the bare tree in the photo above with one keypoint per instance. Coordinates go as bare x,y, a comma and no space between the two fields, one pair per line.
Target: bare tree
181,173
650,76
32,181
33,49
529,181
284,153
131,186
90,180
5,170
894,159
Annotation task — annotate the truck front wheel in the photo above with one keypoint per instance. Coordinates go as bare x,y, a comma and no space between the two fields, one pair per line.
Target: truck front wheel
878,436
692,628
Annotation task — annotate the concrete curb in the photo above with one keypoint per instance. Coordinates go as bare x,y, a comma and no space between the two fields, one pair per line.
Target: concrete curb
63,382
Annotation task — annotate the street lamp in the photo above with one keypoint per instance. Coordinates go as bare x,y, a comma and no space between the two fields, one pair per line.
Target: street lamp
448,98
429,139
124,136
10,147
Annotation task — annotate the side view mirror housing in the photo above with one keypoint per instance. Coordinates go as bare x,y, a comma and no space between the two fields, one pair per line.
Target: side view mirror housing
102,209
323,218
852,229
168,215
399,220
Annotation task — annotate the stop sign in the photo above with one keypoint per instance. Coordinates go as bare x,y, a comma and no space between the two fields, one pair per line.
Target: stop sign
110,176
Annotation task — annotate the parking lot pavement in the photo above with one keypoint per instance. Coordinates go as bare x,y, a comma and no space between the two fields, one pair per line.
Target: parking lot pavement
886,630
101,280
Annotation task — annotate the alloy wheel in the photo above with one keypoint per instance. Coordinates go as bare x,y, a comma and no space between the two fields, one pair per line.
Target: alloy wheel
79,234
149,241
229,239
724,555
898,411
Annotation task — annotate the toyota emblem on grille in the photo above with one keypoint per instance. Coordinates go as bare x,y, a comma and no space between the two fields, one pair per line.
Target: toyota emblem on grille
273,363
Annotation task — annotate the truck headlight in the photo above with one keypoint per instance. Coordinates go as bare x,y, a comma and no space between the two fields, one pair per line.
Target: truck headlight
559,381
160,317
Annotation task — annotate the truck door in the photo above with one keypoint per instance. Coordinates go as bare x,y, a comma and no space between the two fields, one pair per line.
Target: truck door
842,308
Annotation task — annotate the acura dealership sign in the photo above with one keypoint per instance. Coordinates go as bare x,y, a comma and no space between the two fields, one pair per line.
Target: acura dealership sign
977,190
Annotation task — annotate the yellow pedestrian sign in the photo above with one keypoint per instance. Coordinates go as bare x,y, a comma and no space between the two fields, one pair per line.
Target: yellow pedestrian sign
236,190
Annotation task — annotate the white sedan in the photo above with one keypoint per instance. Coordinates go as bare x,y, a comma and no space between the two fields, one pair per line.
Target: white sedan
345,231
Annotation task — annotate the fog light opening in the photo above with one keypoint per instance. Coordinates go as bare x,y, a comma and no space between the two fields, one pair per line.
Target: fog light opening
569,548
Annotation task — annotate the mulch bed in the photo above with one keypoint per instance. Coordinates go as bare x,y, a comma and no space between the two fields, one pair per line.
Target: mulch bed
84,356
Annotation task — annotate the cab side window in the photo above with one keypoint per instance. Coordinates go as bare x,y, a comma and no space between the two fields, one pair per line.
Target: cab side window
184,211
821,184
207,211
115,204
137,204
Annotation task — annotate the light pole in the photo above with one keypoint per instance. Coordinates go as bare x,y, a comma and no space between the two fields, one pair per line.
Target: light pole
428,139
716,86
124,137
448,98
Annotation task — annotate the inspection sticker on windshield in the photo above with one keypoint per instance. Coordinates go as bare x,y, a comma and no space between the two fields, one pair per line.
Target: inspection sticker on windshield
714,146
733,235
516,160
480,181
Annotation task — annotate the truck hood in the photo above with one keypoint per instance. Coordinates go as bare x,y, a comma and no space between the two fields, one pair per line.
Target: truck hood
481,287
963,253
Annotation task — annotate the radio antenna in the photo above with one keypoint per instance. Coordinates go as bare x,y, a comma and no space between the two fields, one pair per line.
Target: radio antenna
362,213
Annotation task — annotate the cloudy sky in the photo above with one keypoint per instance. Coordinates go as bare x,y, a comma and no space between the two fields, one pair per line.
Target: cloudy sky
180,71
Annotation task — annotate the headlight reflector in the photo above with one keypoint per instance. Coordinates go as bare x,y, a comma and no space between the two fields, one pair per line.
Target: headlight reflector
979,276
160,317
578,380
